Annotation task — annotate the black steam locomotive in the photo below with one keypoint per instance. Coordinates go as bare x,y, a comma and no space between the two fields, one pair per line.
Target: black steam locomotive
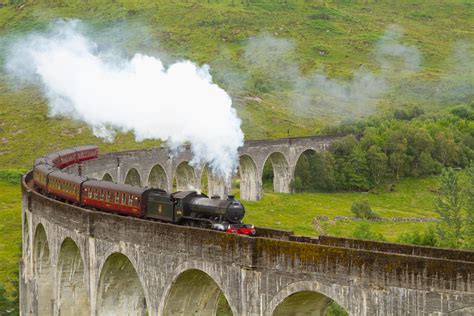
183,207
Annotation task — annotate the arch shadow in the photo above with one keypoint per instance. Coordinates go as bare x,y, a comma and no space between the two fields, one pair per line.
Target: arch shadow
194,291
42,271
281,172
107,177
73,295
120,290
303,298
133,177
158,178
185,177
249,179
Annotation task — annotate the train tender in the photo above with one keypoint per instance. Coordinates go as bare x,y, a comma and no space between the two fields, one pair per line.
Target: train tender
183,207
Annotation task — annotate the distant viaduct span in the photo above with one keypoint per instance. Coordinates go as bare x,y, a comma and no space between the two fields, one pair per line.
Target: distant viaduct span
158,167
77,261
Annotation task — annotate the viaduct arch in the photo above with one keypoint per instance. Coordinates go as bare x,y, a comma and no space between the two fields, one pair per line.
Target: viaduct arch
159,167
92,258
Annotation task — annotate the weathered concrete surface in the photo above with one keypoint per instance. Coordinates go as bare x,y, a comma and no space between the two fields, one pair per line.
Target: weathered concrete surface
129,266
158,167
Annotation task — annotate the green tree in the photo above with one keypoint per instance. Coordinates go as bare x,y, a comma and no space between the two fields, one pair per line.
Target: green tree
449,204
446,150
377,163
358,170
315,172
362,209
420,146
469,223
396,147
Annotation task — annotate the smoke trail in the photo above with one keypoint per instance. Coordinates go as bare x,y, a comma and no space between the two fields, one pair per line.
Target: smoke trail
312,93
178,104
315,93
394,55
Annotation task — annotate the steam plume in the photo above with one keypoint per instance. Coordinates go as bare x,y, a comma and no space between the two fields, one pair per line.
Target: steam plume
178,104
317,93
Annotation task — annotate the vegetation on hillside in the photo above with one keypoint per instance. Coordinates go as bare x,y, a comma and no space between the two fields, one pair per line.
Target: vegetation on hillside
10,241
290,66
406,142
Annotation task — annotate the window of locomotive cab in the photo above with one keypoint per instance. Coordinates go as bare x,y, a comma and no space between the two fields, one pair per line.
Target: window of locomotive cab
90,194
130,200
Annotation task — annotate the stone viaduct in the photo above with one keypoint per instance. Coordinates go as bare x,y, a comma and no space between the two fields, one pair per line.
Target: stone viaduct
77,261
158,167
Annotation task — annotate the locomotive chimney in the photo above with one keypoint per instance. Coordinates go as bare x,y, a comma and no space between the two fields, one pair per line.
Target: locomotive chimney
231,197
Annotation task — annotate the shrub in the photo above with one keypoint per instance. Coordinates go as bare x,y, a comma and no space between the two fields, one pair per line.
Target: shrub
426,238
12,176
361,209
363,231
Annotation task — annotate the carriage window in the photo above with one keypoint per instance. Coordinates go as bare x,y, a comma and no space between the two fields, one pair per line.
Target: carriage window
130,200
96,195
117,198
102,195
124,199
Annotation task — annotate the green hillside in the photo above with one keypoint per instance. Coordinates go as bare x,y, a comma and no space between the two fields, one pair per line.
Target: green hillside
266,54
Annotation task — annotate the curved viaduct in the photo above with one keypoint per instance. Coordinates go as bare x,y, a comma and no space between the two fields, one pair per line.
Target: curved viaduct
158,167
81,262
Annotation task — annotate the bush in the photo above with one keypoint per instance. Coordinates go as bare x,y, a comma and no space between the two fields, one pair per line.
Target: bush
12,176
361,209
362,231
426,238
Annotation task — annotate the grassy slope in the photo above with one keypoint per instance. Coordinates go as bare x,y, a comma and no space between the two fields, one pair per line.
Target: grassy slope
10,230
412,198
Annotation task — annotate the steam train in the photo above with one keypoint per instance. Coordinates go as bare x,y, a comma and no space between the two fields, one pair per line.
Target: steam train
182,207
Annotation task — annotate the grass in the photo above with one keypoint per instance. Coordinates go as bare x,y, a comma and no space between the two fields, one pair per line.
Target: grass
10,231
412,198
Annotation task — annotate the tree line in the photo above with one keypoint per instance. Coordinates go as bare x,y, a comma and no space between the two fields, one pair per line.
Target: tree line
385,148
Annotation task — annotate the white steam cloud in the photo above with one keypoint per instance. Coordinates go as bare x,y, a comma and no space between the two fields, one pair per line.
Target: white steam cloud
178,104
391,53
315,93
